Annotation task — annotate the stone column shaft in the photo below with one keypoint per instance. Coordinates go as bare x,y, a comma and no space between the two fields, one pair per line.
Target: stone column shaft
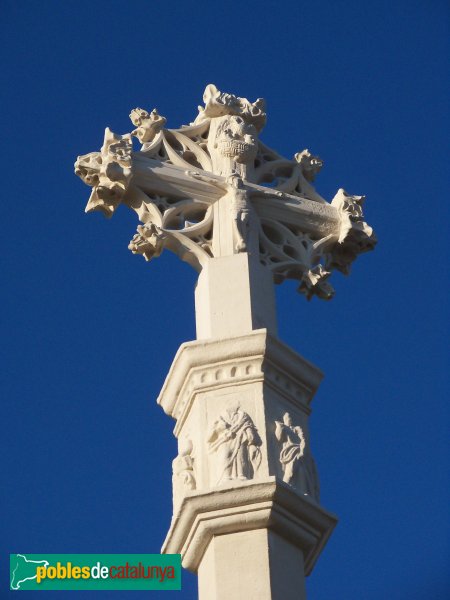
251,564
234,295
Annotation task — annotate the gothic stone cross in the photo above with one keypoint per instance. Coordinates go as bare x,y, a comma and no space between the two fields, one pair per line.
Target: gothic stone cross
212,190
244,217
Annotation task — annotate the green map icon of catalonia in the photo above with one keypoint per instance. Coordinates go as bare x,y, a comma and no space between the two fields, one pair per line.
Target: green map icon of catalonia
23,569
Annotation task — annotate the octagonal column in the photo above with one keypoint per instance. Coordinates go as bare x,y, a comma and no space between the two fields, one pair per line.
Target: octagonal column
247,516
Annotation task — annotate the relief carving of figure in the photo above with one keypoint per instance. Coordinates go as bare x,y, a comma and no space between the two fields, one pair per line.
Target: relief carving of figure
238,198
298,465
240,209
183,477
235,440
293,446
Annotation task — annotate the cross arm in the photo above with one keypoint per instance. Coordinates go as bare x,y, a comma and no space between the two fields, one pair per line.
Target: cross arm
165,179
178,180
311,217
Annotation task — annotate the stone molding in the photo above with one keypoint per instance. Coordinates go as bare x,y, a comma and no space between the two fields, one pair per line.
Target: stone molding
228,397
242,507
212,364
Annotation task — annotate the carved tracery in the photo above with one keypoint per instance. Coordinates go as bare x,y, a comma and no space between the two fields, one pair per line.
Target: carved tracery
298,465
176,178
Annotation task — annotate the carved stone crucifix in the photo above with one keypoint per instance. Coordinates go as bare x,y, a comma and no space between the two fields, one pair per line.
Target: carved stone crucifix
212,189
245,510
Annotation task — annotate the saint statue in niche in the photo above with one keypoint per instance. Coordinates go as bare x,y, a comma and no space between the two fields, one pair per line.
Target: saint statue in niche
235,440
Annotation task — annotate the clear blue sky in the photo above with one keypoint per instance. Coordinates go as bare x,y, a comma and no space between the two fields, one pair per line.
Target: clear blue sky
89,330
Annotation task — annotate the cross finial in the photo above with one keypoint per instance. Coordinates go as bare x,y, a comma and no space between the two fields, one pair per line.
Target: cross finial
213,189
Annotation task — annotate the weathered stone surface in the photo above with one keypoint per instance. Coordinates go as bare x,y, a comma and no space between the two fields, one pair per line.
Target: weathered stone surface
243,403
213,189
246,504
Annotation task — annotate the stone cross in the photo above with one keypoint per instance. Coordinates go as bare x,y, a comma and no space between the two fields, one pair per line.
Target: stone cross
247,516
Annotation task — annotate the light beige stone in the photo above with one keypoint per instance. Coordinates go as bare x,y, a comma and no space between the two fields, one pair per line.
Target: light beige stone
213,189
234,296
246,496
253,468
251,564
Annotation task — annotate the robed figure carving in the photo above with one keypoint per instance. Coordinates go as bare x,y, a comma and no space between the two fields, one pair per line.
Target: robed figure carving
298,465
293,446
235,441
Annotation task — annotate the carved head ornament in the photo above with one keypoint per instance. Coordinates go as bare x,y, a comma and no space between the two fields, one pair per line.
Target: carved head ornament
218,104
174,181
236,139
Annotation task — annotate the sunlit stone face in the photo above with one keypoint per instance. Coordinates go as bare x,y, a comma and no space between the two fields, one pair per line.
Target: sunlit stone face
237,139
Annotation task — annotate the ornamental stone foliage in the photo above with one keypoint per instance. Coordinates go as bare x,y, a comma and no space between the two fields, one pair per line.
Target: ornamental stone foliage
246,508
181,182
